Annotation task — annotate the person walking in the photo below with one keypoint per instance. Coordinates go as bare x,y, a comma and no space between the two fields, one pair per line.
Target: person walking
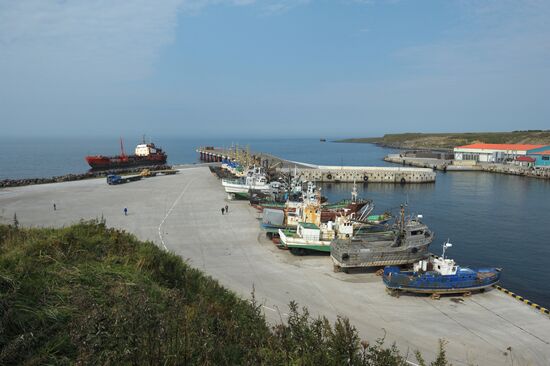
226,209
54,207
125,211
223,209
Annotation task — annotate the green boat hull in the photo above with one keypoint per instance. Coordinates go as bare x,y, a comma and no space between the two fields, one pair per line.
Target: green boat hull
316,248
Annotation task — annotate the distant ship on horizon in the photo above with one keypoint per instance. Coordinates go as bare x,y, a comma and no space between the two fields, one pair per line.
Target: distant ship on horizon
145,154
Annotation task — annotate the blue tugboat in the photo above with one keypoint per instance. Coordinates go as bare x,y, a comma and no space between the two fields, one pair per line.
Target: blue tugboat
439,275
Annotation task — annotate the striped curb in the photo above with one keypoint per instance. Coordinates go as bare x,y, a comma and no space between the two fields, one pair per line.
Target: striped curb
522,299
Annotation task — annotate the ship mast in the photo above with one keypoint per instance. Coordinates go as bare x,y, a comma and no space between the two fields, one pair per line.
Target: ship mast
122,148
354,193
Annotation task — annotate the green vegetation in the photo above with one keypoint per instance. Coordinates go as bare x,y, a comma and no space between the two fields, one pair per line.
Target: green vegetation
91,295
450,140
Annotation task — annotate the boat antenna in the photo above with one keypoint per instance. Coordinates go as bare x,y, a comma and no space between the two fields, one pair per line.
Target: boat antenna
446,245
402,217
143,138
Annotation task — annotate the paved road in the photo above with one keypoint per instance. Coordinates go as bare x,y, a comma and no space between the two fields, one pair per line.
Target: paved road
182,213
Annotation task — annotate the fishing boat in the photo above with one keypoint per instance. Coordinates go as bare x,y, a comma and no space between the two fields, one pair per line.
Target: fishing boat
310,237
311,233
404,242
437,275
255,180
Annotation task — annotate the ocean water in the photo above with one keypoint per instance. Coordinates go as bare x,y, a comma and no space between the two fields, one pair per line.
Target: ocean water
491,219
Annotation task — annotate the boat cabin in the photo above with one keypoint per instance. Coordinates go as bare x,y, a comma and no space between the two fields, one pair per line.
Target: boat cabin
145,149
308,231
445,267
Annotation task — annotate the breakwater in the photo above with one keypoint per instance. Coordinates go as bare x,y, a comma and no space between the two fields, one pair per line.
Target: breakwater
320,173
5,183
349,174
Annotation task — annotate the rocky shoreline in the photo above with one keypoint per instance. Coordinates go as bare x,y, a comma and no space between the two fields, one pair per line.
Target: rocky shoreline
72,177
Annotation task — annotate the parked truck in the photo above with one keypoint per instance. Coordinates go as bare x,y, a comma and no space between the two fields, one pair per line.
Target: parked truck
117,179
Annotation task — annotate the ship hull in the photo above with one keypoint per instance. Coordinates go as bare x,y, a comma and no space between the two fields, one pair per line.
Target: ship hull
298,245
465,281
116,162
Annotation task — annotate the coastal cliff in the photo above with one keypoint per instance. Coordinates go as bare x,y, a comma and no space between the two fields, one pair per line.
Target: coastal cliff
447,141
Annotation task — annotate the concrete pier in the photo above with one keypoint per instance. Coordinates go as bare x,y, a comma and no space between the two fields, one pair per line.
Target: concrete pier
367,174
182,214
325,174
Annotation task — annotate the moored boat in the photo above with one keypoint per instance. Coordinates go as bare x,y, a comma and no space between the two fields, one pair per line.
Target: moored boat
438,275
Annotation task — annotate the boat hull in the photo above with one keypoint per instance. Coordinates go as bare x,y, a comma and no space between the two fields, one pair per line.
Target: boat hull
298,245
378,256
114,162
433,283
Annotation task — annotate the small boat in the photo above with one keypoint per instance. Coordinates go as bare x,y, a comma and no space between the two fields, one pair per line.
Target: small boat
438,275
255,180
405,242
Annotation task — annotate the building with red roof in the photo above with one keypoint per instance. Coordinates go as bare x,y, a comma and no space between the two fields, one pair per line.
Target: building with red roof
495,153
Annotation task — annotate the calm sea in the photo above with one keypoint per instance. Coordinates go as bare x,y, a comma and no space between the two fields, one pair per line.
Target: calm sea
491,219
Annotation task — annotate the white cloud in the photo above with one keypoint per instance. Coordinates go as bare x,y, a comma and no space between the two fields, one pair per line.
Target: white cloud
53,40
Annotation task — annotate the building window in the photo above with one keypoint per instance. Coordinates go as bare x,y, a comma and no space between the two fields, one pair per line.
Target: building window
546,158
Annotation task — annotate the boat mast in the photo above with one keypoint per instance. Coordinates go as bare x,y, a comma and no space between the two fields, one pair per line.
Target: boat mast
122,148
402,221
445,246
354,193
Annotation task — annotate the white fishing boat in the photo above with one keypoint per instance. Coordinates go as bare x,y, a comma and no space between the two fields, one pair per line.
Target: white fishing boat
255,180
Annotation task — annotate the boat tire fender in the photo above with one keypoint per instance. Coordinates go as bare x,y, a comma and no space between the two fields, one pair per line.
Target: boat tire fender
365,178
329,176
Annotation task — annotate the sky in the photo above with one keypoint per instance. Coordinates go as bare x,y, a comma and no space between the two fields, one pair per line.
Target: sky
272,68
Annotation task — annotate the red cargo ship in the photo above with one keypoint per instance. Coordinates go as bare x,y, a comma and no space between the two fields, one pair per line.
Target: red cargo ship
144,155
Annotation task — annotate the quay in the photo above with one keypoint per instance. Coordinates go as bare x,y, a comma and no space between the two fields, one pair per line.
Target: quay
181,213
337,174
457,165
320,173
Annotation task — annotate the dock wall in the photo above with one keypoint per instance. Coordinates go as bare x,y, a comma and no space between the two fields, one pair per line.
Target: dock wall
450,165
326,174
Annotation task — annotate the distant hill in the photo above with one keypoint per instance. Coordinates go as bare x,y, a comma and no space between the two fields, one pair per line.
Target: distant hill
451,140
90,295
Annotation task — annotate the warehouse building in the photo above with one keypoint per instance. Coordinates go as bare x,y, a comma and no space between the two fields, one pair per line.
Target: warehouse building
541,156
497,153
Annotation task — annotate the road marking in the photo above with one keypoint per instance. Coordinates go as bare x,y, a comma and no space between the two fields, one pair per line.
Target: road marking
170,211
268,308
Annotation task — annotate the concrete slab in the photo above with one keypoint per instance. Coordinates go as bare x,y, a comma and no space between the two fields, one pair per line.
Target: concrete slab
183,213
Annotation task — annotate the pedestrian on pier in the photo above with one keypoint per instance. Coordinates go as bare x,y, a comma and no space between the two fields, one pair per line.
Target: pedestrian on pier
223,209
125,211
54,207
226,209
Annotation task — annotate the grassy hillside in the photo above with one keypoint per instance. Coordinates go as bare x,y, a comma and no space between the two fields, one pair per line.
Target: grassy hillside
91,295
450,140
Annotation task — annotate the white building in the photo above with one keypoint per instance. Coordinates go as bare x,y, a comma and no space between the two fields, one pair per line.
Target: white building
492,153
